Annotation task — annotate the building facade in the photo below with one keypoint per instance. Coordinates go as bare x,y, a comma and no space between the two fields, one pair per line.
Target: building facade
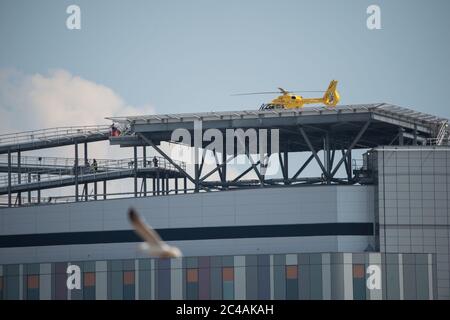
413,203
266,276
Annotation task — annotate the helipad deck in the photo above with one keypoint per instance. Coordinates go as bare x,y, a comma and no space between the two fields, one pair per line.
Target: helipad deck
387,124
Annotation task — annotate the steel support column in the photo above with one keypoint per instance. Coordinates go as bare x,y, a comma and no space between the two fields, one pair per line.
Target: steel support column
76,169
167,184
333,152
19,177
346,166
39,190
176,185
9,179
286,167
135,172
86,162
29,192
198,169
327,156
154,187
144,158
349,163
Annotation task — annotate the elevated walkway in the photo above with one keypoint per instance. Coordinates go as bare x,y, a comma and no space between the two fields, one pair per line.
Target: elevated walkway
53,137
49,172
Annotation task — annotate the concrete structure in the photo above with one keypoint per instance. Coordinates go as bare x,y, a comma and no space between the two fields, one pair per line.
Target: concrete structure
295,219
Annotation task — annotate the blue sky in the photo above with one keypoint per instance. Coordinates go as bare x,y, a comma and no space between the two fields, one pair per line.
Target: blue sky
187,56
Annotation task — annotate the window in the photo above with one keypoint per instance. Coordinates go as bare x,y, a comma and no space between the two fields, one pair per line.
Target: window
292,282
128,285
359,282
192,283
33,287
228,282
89,286
89,279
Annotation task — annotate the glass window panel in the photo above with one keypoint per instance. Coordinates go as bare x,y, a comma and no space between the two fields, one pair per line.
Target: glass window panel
128,277
192,290
33,282
192,275
358,271
359,282
228,274
89,279
291,272
291,289
228,290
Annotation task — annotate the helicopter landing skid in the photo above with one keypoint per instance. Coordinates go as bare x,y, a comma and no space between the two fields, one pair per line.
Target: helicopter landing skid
270,106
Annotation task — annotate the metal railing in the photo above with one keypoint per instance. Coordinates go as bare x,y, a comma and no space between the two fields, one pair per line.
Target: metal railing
52,134
358,164
53,168
25,201
442,138
443,132
101,163
438,142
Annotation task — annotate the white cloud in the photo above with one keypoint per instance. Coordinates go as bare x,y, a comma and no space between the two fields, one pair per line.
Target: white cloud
56,99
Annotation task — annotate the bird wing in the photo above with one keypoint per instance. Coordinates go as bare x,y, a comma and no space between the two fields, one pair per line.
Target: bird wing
146,232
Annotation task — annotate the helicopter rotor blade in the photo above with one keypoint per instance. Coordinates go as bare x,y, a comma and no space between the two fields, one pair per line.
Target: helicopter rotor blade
276,92
252,93
306,91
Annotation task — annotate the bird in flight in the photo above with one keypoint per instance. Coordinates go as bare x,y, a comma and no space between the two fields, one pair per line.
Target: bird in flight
153,244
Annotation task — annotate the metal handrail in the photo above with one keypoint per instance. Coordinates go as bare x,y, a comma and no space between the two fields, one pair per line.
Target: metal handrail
443,132
358,164
436,142
82,197
59,172
51,133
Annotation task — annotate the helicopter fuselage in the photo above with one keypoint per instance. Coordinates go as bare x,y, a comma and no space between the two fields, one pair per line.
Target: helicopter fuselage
289,101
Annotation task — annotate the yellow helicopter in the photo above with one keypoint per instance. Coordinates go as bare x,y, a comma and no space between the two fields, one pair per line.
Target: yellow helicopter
287,100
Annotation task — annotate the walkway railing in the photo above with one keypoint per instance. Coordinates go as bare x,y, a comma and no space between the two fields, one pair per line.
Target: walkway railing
53,168
25,201
51,134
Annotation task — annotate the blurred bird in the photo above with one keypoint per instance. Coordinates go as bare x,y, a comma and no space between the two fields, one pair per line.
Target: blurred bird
153,244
